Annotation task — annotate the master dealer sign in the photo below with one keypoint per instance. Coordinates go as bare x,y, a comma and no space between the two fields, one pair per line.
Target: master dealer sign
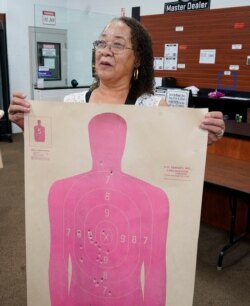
186,5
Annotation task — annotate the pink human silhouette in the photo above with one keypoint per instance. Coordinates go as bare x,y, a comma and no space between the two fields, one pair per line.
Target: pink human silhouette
39,132
108,230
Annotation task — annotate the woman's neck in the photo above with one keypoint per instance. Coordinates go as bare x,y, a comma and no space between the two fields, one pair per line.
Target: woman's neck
110,94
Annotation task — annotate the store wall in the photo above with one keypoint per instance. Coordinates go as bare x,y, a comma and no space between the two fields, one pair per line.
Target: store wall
20,15
147,6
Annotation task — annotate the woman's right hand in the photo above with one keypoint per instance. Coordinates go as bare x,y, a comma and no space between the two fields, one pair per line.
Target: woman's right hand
18,107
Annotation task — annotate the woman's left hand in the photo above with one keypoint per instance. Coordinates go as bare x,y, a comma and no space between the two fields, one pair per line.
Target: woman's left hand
213,122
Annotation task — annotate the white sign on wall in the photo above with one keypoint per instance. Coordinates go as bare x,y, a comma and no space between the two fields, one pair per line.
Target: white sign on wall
170,56
207,56
158,63
49,17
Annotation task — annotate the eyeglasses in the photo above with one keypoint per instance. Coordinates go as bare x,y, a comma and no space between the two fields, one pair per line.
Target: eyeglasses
115,47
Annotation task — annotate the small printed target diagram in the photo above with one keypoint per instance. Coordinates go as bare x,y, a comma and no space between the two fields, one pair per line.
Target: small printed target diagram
108,229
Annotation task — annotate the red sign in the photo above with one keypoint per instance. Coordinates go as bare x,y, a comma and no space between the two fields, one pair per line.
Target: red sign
239,25
183,47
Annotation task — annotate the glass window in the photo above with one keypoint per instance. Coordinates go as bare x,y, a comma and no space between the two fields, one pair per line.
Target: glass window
49,61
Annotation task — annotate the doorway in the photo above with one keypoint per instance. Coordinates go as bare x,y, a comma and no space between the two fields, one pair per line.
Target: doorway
48,54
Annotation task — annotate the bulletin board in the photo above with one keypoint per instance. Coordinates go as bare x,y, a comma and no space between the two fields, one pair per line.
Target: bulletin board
227,31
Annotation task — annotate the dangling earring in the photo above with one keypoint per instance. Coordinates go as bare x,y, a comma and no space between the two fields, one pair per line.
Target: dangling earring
136,74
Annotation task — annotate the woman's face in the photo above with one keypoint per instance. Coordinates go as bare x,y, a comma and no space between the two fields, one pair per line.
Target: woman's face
114,65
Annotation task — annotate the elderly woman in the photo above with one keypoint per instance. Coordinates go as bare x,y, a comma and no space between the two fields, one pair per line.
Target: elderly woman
124,75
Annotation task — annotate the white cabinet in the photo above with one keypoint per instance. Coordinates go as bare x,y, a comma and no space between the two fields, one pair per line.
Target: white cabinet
57,94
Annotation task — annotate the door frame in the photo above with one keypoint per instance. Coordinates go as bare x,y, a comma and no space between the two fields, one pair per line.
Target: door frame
50,36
